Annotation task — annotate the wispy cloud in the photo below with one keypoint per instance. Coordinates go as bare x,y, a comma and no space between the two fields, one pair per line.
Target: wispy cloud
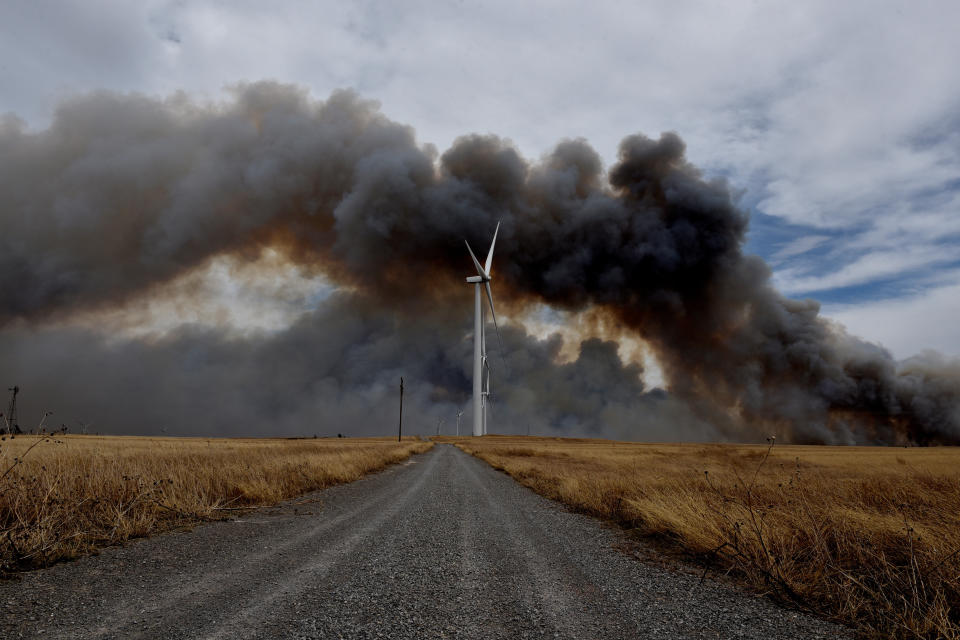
910,324
800,246
873,266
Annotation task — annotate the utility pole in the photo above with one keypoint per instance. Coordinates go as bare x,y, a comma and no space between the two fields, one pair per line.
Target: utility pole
400,426
12,426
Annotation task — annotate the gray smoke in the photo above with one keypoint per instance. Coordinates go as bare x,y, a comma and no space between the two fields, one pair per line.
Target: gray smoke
336,370
124,193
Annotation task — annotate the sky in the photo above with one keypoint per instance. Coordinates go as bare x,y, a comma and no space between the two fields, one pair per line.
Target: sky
836,122
834,125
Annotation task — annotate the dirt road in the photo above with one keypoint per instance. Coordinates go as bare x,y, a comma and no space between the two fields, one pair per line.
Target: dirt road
442,546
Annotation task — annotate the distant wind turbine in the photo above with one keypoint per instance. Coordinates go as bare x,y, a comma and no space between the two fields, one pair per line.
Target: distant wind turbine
481,383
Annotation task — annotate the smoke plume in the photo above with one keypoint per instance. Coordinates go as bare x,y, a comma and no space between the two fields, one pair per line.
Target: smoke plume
122,195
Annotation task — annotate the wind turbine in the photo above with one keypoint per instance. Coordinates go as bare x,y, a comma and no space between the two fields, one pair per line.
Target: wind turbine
481,386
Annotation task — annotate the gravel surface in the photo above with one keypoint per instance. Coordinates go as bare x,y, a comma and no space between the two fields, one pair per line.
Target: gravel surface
441,546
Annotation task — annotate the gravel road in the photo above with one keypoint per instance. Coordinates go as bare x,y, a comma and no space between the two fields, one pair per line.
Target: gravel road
441,546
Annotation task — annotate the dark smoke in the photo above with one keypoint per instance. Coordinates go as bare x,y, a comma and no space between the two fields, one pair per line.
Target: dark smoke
124,193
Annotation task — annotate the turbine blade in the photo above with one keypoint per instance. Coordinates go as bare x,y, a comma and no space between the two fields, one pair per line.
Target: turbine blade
497,326
486,265
476,263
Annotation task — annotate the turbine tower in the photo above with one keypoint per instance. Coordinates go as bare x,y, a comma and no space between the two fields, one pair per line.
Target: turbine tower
481,383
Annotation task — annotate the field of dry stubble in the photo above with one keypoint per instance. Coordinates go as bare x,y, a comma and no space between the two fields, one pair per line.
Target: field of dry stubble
869,536
64,496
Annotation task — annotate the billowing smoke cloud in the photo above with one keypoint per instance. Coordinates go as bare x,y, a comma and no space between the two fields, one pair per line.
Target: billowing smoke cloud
122,194
336,370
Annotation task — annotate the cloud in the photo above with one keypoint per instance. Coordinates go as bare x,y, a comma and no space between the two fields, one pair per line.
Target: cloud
868,268
798,247
909,324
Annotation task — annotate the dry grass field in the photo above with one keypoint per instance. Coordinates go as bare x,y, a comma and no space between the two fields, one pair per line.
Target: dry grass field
868,536
69,495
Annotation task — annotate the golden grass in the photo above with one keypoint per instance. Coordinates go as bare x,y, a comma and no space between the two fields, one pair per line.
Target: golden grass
69,495
867,536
